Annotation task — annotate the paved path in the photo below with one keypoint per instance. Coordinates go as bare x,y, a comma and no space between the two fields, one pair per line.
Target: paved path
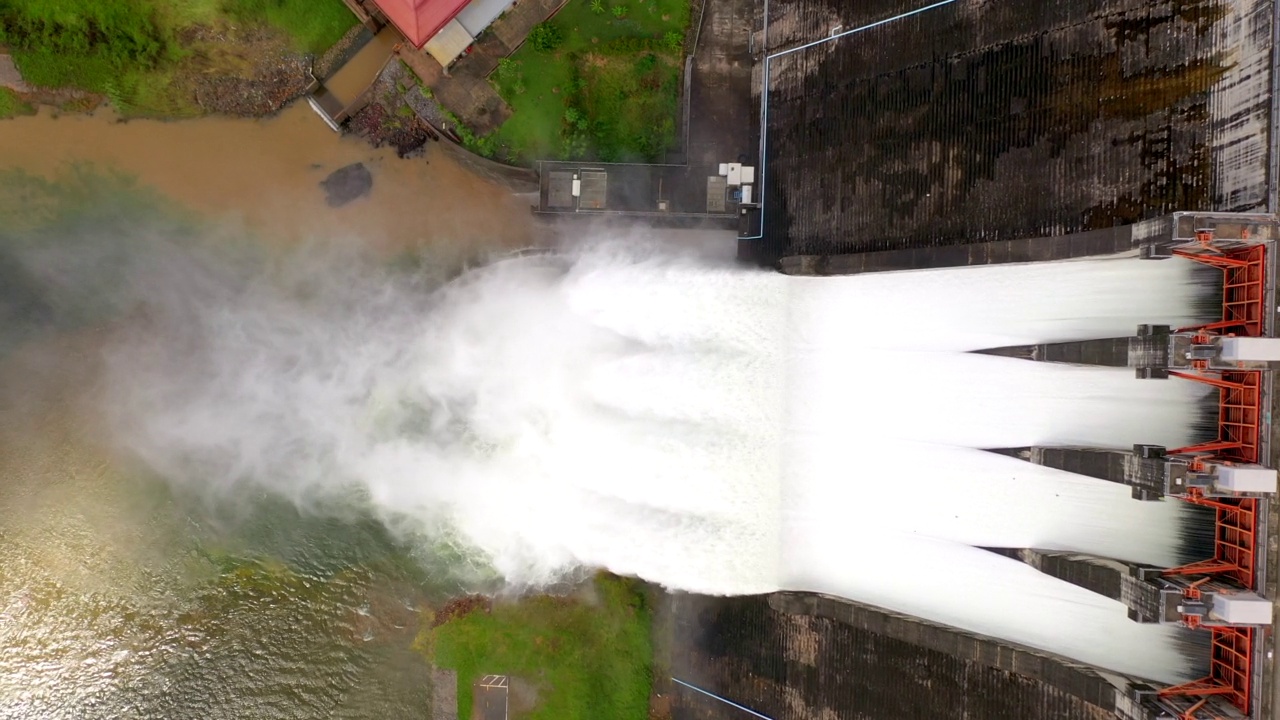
9,76
723,117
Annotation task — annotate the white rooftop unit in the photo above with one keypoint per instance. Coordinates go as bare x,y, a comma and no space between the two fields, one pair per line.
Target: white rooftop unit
1249,349
735,174
746,194
1245,478
480,14
1241,609
748,174
452,40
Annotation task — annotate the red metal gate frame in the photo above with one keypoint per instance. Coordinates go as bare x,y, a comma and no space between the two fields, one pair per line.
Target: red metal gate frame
1244,312
1230,673
1235,534
1244,287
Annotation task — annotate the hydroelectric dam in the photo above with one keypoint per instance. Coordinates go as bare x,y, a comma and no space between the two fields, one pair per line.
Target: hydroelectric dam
1123,565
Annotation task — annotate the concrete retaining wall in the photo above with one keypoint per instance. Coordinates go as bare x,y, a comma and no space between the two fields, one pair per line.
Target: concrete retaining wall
792,656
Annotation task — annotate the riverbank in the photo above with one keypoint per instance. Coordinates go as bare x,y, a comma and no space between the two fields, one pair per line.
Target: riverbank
583,655
245,58
264,176
594,81
128,583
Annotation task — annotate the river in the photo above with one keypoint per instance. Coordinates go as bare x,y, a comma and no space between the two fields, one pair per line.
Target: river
122,596
266,174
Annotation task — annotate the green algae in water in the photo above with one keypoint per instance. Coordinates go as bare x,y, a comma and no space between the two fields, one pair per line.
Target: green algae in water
143,600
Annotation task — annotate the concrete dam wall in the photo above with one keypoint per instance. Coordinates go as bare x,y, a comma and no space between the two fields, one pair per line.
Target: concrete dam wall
793,656
989,120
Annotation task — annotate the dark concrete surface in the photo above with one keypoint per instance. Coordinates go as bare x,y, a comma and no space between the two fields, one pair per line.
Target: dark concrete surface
989,122
490,703
1267,671
798,657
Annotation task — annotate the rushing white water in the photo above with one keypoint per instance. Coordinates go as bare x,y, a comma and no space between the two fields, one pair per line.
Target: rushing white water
707,428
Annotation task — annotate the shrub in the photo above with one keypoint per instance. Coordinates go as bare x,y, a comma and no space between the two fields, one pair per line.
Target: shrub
546,37
619,11
597,7
83,44
673,40
11,105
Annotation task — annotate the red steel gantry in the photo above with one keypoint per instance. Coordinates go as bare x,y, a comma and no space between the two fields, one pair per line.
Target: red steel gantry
1240,415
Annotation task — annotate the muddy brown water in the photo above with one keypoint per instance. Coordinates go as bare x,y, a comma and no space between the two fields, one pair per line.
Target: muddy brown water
359,72
118,598
266,174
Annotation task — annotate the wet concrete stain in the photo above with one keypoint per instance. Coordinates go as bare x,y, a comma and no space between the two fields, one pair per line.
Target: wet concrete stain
991,121
797,666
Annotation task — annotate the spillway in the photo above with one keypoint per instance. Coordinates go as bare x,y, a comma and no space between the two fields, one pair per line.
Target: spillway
704,427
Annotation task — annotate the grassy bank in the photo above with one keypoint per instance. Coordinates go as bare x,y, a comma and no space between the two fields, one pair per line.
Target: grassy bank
131,50
313,25
585,660
600,80
11,105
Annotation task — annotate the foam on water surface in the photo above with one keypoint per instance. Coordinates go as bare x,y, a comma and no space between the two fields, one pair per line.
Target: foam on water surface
708,428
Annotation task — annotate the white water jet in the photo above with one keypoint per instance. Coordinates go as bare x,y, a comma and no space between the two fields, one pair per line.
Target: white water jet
997,305
981,592
974,497
707,428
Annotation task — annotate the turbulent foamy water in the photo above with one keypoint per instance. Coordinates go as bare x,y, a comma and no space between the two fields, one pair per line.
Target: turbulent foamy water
705,427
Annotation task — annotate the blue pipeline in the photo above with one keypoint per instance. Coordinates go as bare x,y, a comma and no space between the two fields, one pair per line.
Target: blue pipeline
717,697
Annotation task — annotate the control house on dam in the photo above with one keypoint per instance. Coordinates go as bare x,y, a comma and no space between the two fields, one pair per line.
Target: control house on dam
903,134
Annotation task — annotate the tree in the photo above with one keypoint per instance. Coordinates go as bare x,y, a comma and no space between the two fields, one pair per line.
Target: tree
546,37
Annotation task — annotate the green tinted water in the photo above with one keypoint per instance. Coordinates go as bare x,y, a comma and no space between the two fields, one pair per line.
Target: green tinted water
122,597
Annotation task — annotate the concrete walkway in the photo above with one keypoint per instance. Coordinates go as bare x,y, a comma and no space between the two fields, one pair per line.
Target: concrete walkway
464,89
9,76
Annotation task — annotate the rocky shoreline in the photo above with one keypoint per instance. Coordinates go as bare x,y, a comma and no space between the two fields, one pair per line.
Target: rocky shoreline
250,72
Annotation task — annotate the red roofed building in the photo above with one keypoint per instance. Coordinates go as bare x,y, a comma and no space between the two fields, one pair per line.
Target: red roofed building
445,29
420,20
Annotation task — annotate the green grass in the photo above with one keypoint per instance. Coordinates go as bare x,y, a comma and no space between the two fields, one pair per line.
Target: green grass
314,25
11,105
83,43
629,104
129,49
536,90
596,96
587,661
